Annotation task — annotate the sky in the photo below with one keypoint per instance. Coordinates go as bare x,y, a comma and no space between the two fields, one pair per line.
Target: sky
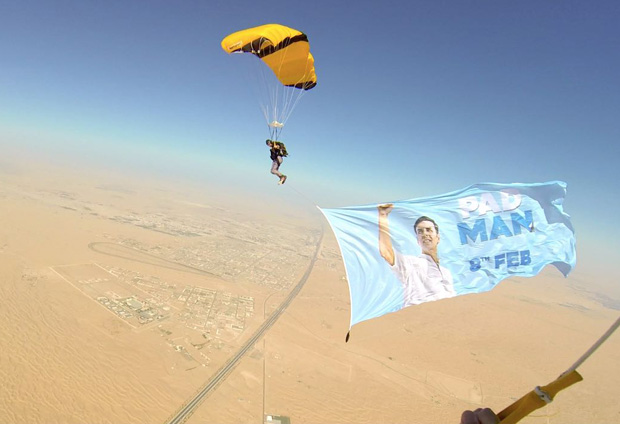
414,98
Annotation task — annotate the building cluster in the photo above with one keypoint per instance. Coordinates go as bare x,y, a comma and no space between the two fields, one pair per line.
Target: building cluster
222,244
131,309
198,308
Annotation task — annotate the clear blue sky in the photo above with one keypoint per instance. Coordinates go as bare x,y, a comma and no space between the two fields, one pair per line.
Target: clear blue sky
414,98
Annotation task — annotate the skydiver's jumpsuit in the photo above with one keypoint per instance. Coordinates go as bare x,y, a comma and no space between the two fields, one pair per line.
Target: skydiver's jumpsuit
276,160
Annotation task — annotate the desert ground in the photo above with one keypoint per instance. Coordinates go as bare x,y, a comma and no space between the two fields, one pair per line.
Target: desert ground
121,297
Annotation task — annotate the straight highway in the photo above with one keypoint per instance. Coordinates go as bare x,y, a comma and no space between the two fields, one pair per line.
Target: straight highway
183,413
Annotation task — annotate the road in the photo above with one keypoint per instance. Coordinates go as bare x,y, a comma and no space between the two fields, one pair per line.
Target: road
183,413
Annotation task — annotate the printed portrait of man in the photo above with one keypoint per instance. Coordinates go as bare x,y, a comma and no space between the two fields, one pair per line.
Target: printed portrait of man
422,277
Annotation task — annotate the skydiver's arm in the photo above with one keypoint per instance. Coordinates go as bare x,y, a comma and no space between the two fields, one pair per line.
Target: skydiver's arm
385,240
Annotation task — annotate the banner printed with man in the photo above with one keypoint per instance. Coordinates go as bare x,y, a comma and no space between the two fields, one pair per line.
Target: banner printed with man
464,242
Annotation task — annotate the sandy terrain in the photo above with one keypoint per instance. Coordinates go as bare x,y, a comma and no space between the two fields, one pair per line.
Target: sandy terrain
69,357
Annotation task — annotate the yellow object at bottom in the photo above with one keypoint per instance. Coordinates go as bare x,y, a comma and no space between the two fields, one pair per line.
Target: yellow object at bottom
537,398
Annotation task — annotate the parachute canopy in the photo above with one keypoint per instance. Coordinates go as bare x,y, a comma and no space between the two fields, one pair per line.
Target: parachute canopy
285,50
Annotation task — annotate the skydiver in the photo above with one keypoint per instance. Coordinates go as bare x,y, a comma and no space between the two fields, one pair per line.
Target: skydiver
277,152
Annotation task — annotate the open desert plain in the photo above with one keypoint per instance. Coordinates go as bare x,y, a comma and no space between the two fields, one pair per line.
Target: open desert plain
125,297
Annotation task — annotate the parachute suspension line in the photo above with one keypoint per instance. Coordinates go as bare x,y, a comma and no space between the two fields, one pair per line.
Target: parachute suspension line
283,100
280,102
270,87
270,95
279,114
267,96
275,103
292,98
275,133
290,102
258,79
292,107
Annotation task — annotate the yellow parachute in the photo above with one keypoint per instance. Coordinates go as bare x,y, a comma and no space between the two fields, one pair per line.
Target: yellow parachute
286,52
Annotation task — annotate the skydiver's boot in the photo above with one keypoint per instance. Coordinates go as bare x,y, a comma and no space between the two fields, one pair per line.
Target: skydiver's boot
282,180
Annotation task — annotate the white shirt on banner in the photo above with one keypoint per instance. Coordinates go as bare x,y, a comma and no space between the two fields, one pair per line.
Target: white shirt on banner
422,278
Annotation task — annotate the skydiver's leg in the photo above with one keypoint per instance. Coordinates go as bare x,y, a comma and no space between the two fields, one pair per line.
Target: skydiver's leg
275,166
282,176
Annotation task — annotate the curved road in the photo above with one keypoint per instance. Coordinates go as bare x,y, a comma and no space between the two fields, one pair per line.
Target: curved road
190,406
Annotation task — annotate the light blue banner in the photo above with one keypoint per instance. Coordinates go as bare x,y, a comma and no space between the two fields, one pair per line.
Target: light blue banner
466,242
